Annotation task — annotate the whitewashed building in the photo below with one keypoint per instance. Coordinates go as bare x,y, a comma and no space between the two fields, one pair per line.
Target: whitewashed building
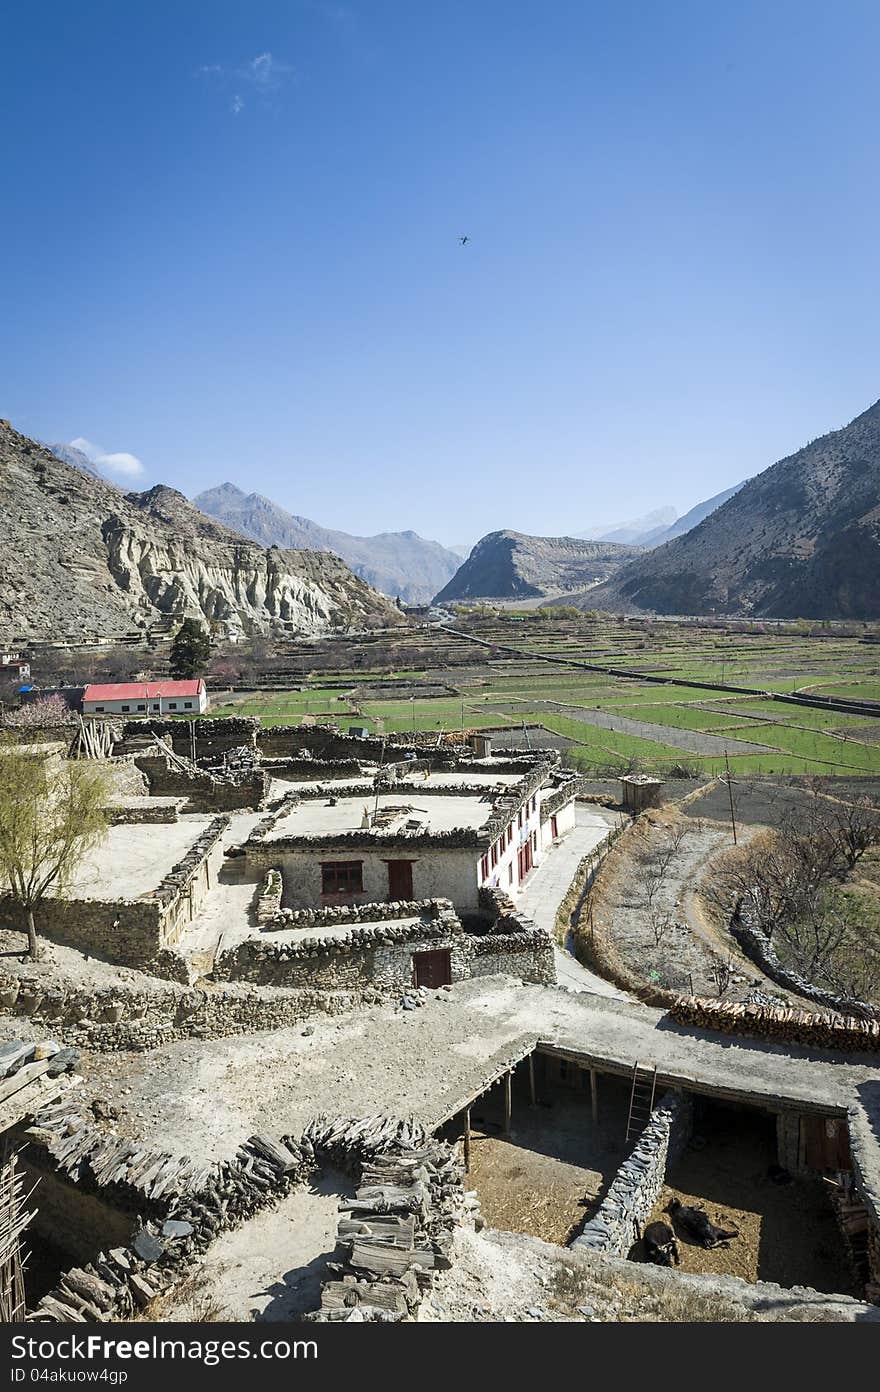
146,698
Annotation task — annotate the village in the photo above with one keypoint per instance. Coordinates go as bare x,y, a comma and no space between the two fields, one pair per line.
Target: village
334,1025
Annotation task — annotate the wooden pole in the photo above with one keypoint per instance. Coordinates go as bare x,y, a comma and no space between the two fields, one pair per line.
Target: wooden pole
730,796
467,1139
507,1100
594,1093
532,1092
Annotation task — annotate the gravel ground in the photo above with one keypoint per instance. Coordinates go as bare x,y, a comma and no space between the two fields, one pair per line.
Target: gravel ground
686,954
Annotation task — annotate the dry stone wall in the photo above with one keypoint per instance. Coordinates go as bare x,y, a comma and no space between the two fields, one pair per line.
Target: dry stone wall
407,1180
761,950
636,1187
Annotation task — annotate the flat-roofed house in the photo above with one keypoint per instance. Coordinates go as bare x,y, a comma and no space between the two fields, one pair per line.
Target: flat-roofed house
431,837
146,698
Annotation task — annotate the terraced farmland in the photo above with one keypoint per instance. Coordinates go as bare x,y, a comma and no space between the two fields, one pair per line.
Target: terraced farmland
669,696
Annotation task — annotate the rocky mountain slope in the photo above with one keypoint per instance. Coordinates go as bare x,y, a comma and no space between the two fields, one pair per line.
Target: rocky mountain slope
509,565
82,559
802,539
397,563
693,517
74,456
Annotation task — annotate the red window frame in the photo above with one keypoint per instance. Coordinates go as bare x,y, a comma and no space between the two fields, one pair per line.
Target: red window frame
342,877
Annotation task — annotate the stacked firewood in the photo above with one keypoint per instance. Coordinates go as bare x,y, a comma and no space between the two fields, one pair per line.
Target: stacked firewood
394,1235
397,1231
854,1222
188,1208
826,1030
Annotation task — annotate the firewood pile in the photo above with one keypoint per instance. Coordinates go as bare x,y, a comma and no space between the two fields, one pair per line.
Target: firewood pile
393,1235
826,1031
397,1231
188,1208
854,1222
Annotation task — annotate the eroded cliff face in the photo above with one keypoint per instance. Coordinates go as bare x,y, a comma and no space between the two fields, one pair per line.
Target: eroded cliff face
80,559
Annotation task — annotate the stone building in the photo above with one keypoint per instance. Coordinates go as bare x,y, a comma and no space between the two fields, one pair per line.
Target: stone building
436,835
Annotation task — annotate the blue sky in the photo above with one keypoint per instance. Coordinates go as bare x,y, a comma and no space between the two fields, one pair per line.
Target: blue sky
229,245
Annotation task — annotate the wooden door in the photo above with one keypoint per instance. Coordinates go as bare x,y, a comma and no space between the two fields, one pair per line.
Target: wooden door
400,879
825,1142
554,829
432,969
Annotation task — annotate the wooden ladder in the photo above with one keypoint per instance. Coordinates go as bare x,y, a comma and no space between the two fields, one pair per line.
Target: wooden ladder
641,1100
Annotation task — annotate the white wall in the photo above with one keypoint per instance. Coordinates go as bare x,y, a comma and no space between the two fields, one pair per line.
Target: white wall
438,873
155,706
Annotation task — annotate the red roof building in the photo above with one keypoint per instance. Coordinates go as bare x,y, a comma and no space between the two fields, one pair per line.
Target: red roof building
146,698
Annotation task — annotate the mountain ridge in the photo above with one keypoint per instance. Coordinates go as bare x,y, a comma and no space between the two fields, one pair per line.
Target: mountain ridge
513,565
82,559
799,540
396,563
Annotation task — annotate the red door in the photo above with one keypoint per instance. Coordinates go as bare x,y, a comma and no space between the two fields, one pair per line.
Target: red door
432,969
554,829
400,880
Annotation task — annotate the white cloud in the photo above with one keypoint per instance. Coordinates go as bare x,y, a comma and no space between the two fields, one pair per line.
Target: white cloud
236,105
121,463
266,71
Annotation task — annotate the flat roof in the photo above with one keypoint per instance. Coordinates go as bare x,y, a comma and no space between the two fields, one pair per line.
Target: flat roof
433,1061
317,819
134,858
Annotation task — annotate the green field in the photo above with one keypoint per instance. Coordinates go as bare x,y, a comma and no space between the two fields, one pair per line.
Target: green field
492,688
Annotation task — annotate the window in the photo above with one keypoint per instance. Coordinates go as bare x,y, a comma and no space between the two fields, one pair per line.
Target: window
172,705
187,705
510,873
142,708
99,710
126,708
520,818
510,833
155,705
342,877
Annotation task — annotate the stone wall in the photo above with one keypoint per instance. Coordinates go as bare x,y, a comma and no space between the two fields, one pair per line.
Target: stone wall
185,1208
204,791
846,1032
760,949
269,897
212,736
333,915
132,931
107,1019
636,1187
528,954
378,955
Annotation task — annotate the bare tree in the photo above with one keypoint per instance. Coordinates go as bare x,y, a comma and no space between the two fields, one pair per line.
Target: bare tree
721,971
47,825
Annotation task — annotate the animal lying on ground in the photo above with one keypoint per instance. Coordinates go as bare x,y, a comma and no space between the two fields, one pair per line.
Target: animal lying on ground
699,1226
661,1247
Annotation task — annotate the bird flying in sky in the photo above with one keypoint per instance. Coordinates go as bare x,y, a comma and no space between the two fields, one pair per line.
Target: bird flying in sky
463,240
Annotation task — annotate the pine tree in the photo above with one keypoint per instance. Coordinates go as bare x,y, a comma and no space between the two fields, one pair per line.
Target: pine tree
190,650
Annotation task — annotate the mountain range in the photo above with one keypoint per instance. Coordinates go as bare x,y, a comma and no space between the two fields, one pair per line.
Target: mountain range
81,559
801,539
397,563
510,565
